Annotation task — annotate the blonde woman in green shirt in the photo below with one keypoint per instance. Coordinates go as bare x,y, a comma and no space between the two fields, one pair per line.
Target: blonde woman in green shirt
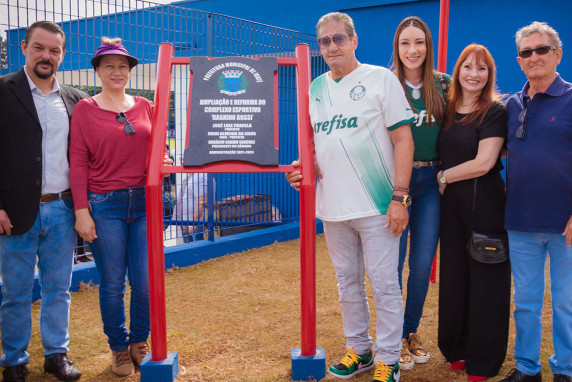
426,91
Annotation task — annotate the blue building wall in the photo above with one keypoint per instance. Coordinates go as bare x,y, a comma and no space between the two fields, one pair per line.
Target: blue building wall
492,23
489,22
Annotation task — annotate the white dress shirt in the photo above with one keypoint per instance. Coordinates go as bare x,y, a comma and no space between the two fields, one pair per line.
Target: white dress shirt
55,124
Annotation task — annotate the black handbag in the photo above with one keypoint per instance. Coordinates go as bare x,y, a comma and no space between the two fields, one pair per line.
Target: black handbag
488,248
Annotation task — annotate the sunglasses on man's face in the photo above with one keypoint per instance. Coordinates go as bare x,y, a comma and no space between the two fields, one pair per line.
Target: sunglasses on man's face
340,39
541,50
128,128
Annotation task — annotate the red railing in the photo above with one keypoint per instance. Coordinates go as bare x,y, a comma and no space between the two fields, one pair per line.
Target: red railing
442,67
156,170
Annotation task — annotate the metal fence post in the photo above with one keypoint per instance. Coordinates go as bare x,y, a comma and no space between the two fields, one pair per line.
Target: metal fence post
210,34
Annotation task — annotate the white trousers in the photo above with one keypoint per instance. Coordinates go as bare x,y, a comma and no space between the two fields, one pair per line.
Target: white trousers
355,246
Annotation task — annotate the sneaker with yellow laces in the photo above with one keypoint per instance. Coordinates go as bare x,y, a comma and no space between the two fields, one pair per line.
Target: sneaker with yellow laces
418,351
405,358
385,373
352,364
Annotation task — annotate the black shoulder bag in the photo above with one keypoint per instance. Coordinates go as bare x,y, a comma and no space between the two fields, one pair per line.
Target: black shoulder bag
488,248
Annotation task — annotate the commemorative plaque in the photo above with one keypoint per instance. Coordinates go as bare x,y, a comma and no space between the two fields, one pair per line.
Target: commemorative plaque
232,111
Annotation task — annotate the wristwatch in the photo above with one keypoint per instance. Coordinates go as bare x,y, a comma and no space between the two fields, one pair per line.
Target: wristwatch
403,199
442,178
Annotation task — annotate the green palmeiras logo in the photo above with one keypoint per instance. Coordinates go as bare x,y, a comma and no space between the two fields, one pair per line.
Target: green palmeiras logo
357,93
232,82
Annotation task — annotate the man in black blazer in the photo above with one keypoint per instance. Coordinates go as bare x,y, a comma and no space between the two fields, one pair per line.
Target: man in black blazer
36,209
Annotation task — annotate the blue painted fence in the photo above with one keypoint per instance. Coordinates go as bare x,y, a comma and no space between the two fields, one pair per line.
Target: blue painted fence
257,200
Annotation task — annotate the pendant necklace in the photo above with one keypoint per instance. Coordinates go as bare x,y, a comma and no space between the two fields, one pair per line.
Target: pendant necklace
415,92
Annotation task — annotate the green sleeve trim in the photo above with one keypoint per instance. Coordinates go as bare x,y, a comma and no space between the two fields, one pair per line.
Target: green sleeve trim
401,123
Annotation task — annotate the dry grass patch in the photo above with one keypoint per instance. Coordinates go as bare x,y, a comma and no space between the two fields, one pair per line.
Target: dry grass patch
236,318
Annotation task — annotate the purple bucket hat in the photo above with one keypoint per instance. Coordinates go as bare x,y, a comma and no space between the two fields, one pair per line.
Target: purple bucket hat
118,49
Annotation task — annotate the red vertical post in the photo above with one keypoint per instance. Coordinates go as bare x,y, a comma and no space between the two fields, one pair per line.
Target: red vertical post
442,67
154,195
443,36
307,204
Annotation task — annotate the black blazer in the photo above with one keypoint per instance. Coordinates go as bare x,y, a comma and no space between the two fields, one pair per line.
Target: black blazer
21,148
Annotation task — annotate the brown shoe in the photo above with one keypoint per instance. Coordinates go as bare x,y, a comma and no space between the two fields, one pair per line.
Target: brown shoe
406,359
121,364
138,351
419,353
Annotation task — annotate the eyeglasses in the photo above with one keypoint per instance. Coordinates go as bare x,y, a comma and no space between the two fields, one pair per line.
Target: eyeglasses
128,128
521,129
340,39
541,50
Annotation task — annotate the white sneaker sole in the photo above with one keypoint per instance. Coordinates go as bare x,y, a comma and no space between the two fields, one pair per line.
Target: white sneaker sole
358,371
406,366
419,359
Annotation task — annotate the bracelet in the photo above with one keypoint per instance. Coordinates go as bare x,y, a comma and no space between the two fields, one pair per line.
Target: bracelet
398,188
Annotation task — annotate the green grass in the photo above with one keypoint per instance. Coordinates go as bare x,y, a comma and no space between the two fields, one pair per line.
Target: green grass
236,318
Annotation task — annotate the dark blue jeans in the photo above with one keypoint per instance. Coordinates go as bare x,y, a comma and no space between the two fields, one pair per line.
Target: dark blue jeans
424,231
51,240
120,250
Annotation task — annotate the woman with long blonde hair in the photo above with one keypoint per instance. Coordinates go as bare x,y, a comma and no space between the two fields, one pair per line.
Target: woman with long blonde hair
425,89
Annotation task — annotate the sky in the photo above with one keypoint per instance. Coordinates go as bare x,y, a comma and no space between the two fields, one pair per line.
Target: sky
14,13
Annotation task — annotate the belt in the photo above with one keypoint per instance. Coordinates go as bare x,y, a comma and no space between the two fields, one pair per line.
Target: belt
426,163
46,198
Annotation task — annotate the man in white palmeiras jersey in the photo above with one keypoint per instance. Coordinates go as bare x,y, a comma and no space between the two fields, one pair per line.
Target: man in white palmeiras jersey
364,155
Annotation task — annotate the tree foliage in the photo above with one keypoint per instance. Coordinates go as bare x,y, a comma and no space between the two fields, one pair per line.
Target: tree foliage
3,53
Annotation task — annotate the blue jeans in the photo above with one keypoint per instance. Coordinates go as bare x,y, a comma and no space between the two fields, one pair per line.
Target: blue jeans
52,240
424,228
528,252
119,250
197,234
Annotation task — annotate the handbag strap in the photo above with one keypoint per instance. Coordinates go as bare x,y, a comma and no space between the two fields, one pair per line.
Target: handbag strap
474,203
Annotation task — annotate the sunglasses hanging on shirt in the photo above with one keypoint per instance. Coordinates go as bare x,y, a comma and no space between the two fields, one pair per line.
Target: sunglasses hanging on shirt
521,129
128,128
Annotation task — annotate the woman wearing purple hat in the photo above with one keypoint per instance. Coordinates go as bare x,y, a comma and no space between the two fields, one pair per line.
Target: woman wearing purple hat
110,135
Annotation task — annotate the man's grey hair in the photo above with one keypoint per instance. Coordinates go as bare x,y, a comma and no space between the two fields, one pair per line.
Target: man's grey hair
339,17
538,27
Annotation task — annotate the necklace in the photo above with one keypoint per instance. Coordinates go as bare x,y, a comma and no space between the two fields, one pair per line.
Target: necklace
415,92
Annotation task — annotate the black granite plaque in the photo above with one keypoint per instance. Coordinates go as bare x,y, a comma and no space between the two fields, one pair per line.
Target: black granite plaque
232,111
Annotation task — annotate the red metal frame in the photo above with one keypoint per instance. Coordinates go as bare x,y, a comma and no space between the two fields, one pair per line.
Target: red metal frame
442,67
156,170
307,205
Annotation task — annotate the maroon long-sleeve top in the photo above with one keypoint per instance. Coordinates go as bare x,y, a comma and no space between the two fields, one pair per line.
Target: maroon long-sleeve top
103,157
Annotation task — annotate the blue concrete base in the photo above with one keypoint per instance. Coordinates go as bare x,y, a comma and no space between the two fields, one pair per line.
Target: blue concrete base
308,368
162,371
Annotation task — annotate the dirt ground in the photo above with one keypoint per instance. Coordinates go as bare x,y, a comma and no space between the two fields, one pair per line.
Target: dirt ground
236,318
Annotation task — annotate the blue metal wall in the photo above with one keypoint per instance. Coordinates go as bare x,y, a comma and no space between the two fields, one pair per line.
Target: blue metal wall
492,23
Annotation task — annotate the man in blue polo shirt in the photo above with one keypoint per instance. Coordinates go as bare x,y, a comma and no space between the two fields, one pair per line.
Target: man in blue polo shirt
539,203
